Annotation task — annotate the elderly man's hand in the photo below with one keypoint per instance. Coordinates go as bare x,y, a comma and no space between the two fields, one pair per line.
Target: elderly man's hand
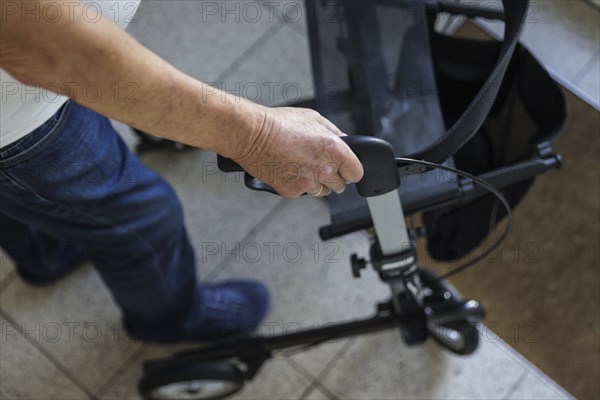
298,151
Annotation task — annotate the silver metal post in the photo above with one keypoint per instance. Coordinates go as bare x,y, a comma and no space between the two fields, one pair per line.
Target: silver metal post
388,220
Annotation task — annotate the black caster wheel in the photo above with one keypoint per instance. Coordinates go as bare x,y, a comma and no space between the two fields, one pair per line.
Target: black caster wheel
197,381
460,337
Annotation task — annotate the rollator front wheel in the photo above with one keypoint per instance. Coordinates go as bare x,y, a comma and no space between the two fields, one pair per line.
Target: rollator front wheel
197,381
459,336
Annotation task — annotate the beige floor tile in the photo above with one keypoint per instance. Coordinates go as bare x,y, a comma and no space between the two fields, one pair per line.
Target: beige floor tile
317,394
314,361
292,13
276,380
219,209
202,38
75,321
590,83
278,72
27,373
310,281
532,387
124,385
380,366
563,34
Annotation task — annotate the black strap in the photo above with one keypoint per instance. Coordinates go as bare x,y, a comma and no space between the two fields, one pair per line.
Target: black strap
466,126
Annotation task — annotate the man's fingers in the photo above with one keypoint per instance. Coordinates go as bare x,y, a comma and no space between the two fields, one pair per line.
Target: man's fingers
325,163
321,191
335,183
329,176
351,170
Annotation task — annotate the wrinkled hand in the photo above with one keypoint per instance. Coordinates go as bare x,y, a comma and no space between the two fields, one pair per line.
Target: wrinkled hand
298,151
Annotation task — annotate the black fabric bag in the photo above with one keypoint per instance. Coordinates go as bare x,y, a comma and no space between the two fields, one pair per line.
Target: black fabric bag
527,114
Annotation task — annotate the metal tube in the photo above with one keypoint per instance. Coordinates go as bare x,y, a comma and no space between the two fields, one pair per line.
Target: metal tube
388,220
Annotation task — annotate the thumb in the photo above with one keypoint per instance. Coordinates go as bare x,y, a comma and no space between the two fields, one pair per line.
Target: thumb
351,169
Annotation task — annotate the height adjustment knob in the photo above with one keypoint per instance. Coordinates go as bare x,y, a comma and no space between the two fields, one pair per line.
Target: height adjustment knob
357,264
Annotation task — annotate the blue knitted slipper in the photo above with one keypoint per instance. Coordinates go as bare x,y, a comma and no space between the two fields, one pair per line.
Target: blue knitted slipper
229,310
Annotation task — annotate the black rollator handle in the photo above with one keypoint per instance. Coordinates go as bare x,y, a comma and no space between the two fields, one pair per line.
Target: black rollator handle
376,155
379,163
228,165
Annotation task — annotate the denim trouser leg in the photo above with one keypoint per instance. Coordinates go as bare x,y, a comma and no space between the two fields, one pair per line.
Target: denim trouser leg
73,181
40,258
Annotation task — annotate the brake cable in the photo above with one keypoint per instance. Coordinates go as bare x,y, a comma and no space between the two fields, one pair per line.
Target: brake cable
409,161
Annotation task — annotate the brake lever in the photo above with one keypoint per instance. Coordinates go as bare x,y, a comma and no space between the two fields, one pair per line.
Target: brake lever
228,165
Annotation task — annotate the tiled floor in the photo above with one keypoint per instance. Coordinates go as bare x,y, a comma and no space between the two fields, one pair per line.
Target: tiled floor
65,341
565,36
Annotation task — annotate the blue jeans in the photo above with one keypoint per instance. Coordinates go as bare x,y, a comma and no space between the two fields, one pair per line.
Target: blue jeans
73,185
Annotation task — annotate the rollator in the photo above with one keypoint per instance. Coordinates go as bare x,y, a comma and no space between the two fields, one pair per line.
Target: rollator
414,101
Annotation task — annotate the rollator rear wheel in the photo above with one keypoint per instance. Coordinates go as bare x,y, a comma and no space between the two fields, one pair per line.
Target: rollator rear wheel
460,337
199,381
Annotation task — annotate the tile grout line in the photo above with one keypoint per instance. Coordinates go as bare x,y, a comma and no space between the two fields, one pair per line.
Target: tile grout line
330,365
50,357
594,59
326,391
313,385
262,39
513,388
128,362
310,389
215,272
305,374
316,386
293,25
316,381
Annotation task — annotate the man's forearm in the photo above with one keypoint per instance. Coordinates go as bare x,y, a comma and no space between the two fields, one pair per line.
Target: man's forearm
104,68
302,150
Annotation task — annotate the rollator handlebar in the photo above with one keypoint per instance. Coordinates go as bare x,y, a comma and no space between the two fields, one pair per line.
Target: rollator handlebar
376,155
